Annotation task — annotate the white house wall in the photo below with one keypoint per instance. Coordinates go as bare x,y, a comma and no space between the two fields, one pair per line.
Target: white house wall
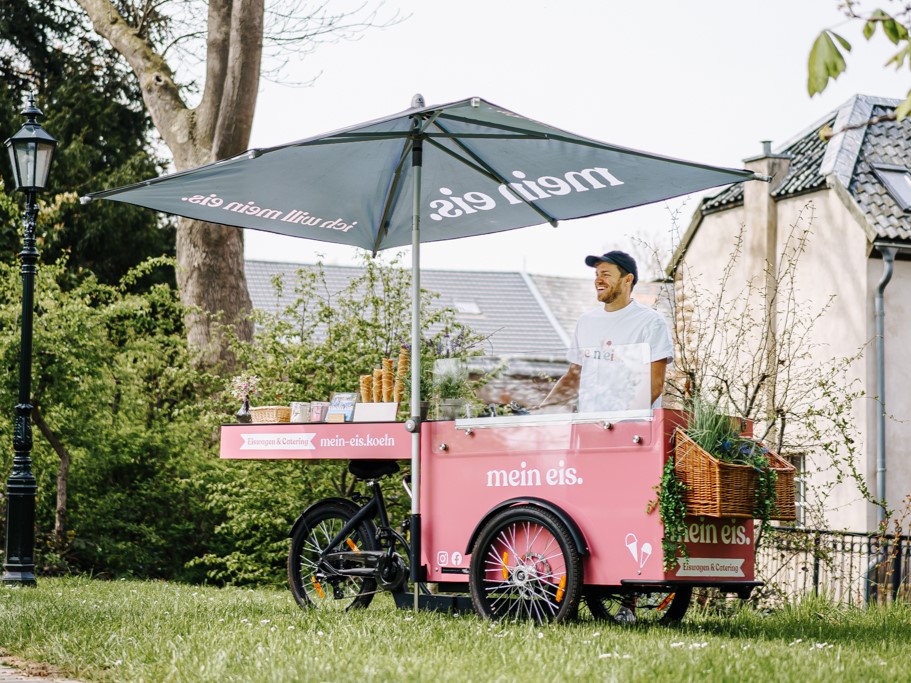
834,263
700,288
834,266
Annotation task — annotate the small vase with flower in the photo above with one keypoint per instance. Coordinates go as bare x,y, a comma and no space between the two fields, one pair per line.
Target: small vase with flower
242,388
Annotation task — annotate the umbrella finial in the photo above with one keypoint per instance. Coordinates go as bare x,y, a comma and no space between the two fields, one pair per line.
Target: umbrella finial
417,102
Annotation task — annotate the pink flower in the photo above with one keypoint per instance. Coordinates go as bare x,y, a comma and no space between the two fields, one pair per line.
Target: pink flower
244,386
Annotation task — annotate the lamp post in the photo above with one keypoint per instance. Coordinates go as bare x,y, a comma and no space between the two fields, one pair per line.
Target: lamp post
31,151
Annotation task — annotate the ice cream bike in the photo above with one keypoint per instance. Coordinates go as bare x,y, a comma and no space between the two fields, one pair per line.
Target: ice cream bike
527,514
520,515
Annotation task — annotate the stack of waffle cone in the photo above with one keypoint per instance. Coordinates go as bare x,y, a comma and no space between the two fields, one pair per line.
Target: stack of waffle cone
377,385
366,388
401,372
387,380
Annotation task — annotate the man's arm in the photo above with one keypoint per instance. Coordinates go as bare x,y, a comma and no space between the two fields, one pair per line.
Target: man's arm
659,372
566,389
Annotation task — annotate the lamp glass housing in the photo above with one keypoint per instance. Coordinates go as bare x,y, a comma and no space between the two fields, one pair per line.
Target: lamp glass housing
31,151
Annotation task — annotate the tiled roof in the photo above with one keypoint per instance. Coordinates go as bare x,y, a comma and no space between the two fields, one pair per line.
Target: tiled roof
507,311
849,156
803,172
806,159
567,298
730,196
526,315
887,143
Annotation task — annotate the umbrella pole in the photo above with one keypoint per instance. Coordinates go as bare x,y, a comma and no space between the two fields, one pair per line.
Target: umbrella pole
416,165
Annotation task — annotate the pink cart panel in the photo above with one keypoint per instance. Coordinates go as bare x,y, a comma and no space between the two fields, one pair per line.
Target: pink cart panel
316,441
602,475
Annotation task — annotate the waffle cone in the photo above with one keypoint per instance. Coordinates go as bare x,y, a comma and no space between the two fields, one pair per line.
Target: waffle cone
366,388
377,387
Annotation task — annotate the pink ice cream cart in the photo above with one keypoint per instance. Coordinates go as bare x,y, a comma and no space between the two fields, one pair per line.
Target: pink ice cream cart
525,515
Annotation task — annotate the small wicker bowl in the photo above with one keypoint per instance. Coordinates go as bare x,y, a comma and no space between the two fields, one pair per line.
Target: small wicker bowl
271,414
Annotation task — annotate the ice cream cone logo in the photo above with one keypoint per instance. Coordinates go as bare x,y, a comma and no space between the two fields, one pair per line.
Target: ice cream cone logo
640,556
632,543
645,554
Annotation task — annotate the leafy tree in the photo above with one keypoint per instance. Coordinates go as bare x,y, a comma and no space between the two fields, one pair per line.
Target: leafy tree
125,450
156,39
827,60
92,107
118,406
318,343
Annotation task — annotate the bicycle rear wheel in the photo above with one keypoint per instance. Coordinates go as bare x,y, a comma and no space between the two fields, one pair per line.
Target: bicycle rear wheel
321,584
664,607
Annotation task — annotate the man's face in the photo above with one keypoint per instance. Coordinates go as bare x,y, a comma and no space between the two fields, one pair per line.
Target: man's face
609,284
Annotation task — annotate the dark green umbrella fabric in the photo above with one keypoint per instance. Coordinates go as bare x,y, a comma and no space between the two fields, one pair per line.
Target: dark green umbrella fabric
485,169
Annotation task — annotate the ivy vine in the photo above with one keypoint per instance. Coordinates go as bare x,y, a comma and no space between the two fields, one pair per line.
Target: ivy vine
766,496
672,510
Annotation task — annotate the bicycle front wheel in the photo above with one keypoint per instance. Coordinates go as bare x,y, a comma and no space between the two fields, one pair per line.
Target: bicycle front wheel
322,583
525,566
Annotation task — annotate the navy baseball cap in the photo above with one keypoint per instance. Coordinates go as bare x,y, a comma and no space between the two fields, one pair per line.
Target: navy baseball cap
619,258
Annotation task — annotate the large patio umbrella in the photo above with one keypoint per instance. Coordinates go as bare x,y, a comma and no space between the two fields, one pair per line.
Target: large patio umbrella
425,174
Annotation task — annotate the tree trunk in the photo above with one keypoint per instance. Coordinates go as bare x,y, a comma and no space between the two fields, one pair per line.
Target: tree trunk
210,278
210,262
63,473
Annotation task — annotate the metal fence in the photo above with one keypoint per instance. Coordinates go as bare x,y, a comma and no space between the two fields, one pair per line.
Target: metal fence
848,567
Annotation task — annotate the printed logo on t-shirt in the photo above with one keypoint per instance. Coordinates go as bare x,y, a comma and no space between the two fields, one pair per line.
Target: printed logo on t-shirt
606,352
615,378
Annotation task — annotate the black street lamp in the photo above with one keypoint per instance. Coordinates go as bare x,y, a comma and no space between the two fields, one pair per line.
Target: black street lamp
31,151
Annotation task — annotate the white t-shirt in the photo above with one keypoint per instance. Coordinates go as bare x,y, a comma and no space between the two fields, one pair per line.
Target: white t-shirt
605,335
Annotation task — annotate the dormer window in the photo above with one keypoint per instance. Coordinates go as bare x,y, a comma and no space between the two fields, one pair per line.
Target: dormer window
897,180
467,307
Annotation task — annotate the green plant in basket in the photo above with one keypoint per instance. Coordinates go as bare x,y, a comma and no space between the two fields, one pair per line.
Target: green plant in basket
710,429
713,431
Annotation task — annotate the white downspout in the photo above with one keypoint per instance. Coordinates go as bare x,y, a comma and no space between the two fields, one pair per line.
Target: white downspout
888,254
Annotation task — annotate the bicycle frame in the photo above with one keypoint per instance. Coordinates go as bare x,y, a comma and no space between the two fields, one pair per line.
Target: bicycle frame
386,536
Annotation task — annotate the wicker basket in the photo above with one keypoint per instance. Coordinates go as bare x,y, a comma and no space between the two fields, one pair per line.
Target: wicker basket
785,509
720,489
271,414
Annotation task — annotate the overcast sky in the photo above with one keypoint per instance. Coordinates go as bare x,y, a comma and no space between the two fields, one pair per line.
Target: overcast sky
704,80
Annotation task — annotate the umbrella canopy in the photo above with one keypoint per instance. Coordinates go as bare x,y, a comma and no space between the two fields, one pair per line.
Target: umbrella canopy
485,169
423,175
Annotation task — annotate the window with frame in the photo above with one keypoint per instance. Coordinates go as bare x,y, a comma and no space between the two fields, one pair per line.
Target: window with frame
897,181
799,460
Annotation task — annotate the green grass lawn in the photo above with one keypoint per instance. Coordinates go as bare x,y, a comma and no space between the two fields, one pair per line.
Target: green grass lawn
138,631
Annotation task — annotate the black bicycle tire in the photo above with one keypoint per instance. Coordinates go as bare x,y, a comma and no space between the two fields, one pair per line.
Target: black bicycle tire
314,523
599,604
539,605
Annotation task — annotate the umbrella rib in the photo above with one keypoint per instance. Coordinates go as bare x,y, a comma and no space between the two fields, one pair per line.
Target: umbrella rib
485,169
361,137
585,142
395,187
393,195
500,126
351,137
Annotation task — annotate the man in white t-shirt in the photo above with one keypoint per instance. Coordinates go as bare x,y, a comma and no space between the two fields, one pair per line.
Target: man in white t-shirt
621,323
